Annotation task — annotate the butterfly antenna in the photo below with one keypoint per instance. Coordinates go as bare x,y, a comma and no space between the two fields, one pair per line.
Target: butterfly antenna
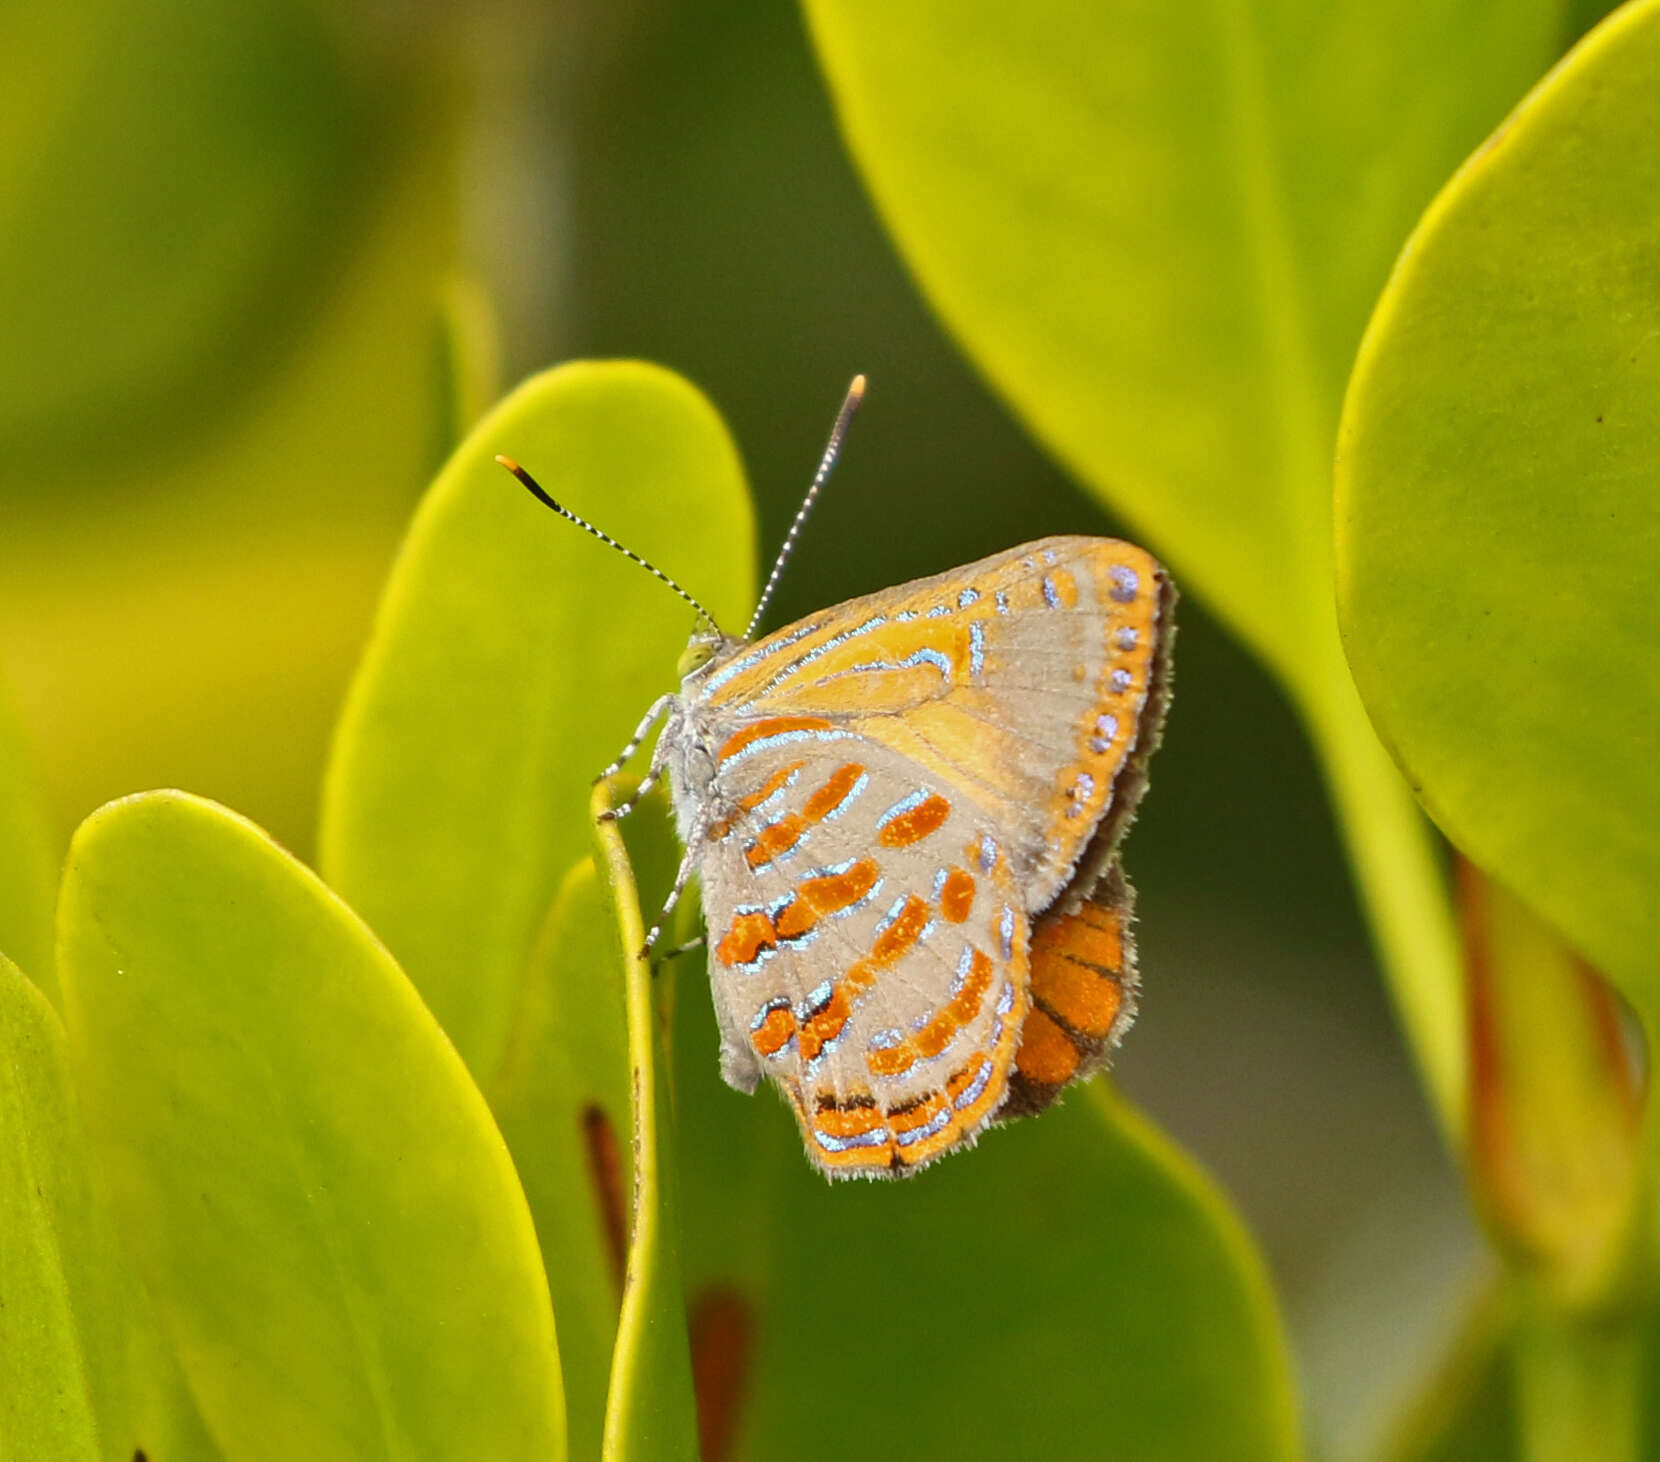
855,394
541,493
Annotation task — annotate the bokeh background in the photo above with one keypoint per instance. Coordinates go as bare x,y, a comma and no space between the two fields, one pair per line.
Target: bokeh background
234,242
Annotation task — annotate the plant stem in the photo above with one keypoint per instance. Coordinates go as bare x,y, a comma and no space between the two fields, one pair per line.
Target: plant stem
1578,1385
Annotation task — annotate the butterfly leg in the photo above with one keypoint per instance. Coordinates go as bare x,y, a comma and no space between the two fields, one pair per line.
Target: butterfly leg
677,951
688,866
641,731
654,773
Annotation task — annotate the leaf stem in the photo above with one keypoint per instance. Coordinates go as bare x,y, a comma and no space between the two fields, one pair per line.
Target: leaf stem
1578,1385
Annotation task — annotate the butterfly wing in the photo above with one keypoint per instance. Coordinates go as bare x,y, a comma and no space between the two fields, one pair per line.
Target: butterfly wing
1032,681
907,781
868,952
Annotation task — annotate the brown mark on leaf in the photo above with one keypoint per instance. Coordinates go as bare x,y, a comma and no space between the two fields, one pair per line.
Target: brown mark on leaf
722,1327
599,1139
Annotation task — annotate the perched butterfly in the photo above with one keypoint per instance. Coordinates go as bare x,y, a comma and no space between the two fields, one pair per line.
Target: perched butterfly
905,814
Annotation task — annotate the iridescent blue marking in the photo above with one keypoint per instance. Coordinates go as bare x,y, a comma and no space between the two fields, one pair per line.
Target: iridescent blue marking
1106,732
759,653
884,1039
1079,793
988,852
785,738
976,648
780,1002
1050,596
939,883
1125,582
876,621
877,1137
971,1093
939,611
905,616
1049,555
782,854
887,921
1119,681
859,785
818,996
769,805
1128,638
1005,932
830,870
934,1124
964,965
967,597
924,656
902,806
1001,600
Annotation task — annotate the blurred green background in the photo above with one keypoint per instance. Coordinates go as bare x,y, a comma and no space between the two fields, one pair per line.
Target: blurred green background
230,240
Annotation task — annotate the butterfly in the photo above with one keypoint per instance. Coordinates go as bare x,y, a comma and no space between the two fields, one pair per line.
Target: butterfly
905,814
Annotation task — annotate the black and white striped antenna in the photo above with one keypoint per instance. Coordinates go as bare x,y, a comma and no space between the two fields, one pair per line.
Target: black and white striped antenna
844,417
541,493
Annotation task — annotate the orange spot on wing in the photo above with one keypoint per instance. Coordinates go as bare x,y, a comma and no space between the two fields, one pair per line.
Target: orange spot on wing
825,1023
1065,587
848,1121
773,726
963,1077
1077,966
774,1032
828,894
749,935
911,827
833,793
904,932
957,895
941,1029
918,1113
1046,1054
775,838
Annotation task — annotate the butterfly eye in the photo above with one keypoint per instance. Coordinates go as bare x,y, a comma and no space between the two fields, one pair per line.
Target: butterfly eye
696,655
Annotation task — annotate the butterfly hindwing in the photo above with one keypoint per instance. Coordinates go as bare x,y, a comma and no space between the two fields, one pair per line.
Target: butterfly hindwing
868,951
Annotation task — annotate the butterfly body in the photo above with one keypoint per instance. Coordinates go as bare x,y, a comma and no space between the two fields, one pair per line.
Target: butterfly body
904,812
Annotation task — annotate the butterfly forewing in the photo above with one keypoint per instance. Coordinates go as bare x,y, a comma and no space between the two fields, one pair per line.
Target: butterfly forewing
1021,678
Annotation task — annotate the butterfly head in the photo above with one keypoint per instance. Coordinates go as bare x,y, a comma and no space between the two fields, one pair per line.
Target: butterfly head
705,644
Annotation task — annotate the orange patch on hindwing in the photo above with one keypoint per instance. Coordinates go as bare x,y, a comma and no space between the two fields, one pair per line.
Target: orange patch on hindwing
914,824
1046,1054
957,895
1077,964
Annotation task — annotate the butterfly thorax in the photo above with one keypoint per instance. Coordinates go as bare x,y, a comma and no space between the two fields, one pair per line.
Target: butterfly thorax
689,735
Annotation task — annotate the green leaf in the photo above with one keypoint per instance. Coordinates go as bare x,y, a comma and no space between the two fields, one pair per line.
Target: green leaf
512,657
1158,231
1498,540
87,1375
651,1412
310,1185
562,1099
1074,1286
167,213
28,860
193,619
